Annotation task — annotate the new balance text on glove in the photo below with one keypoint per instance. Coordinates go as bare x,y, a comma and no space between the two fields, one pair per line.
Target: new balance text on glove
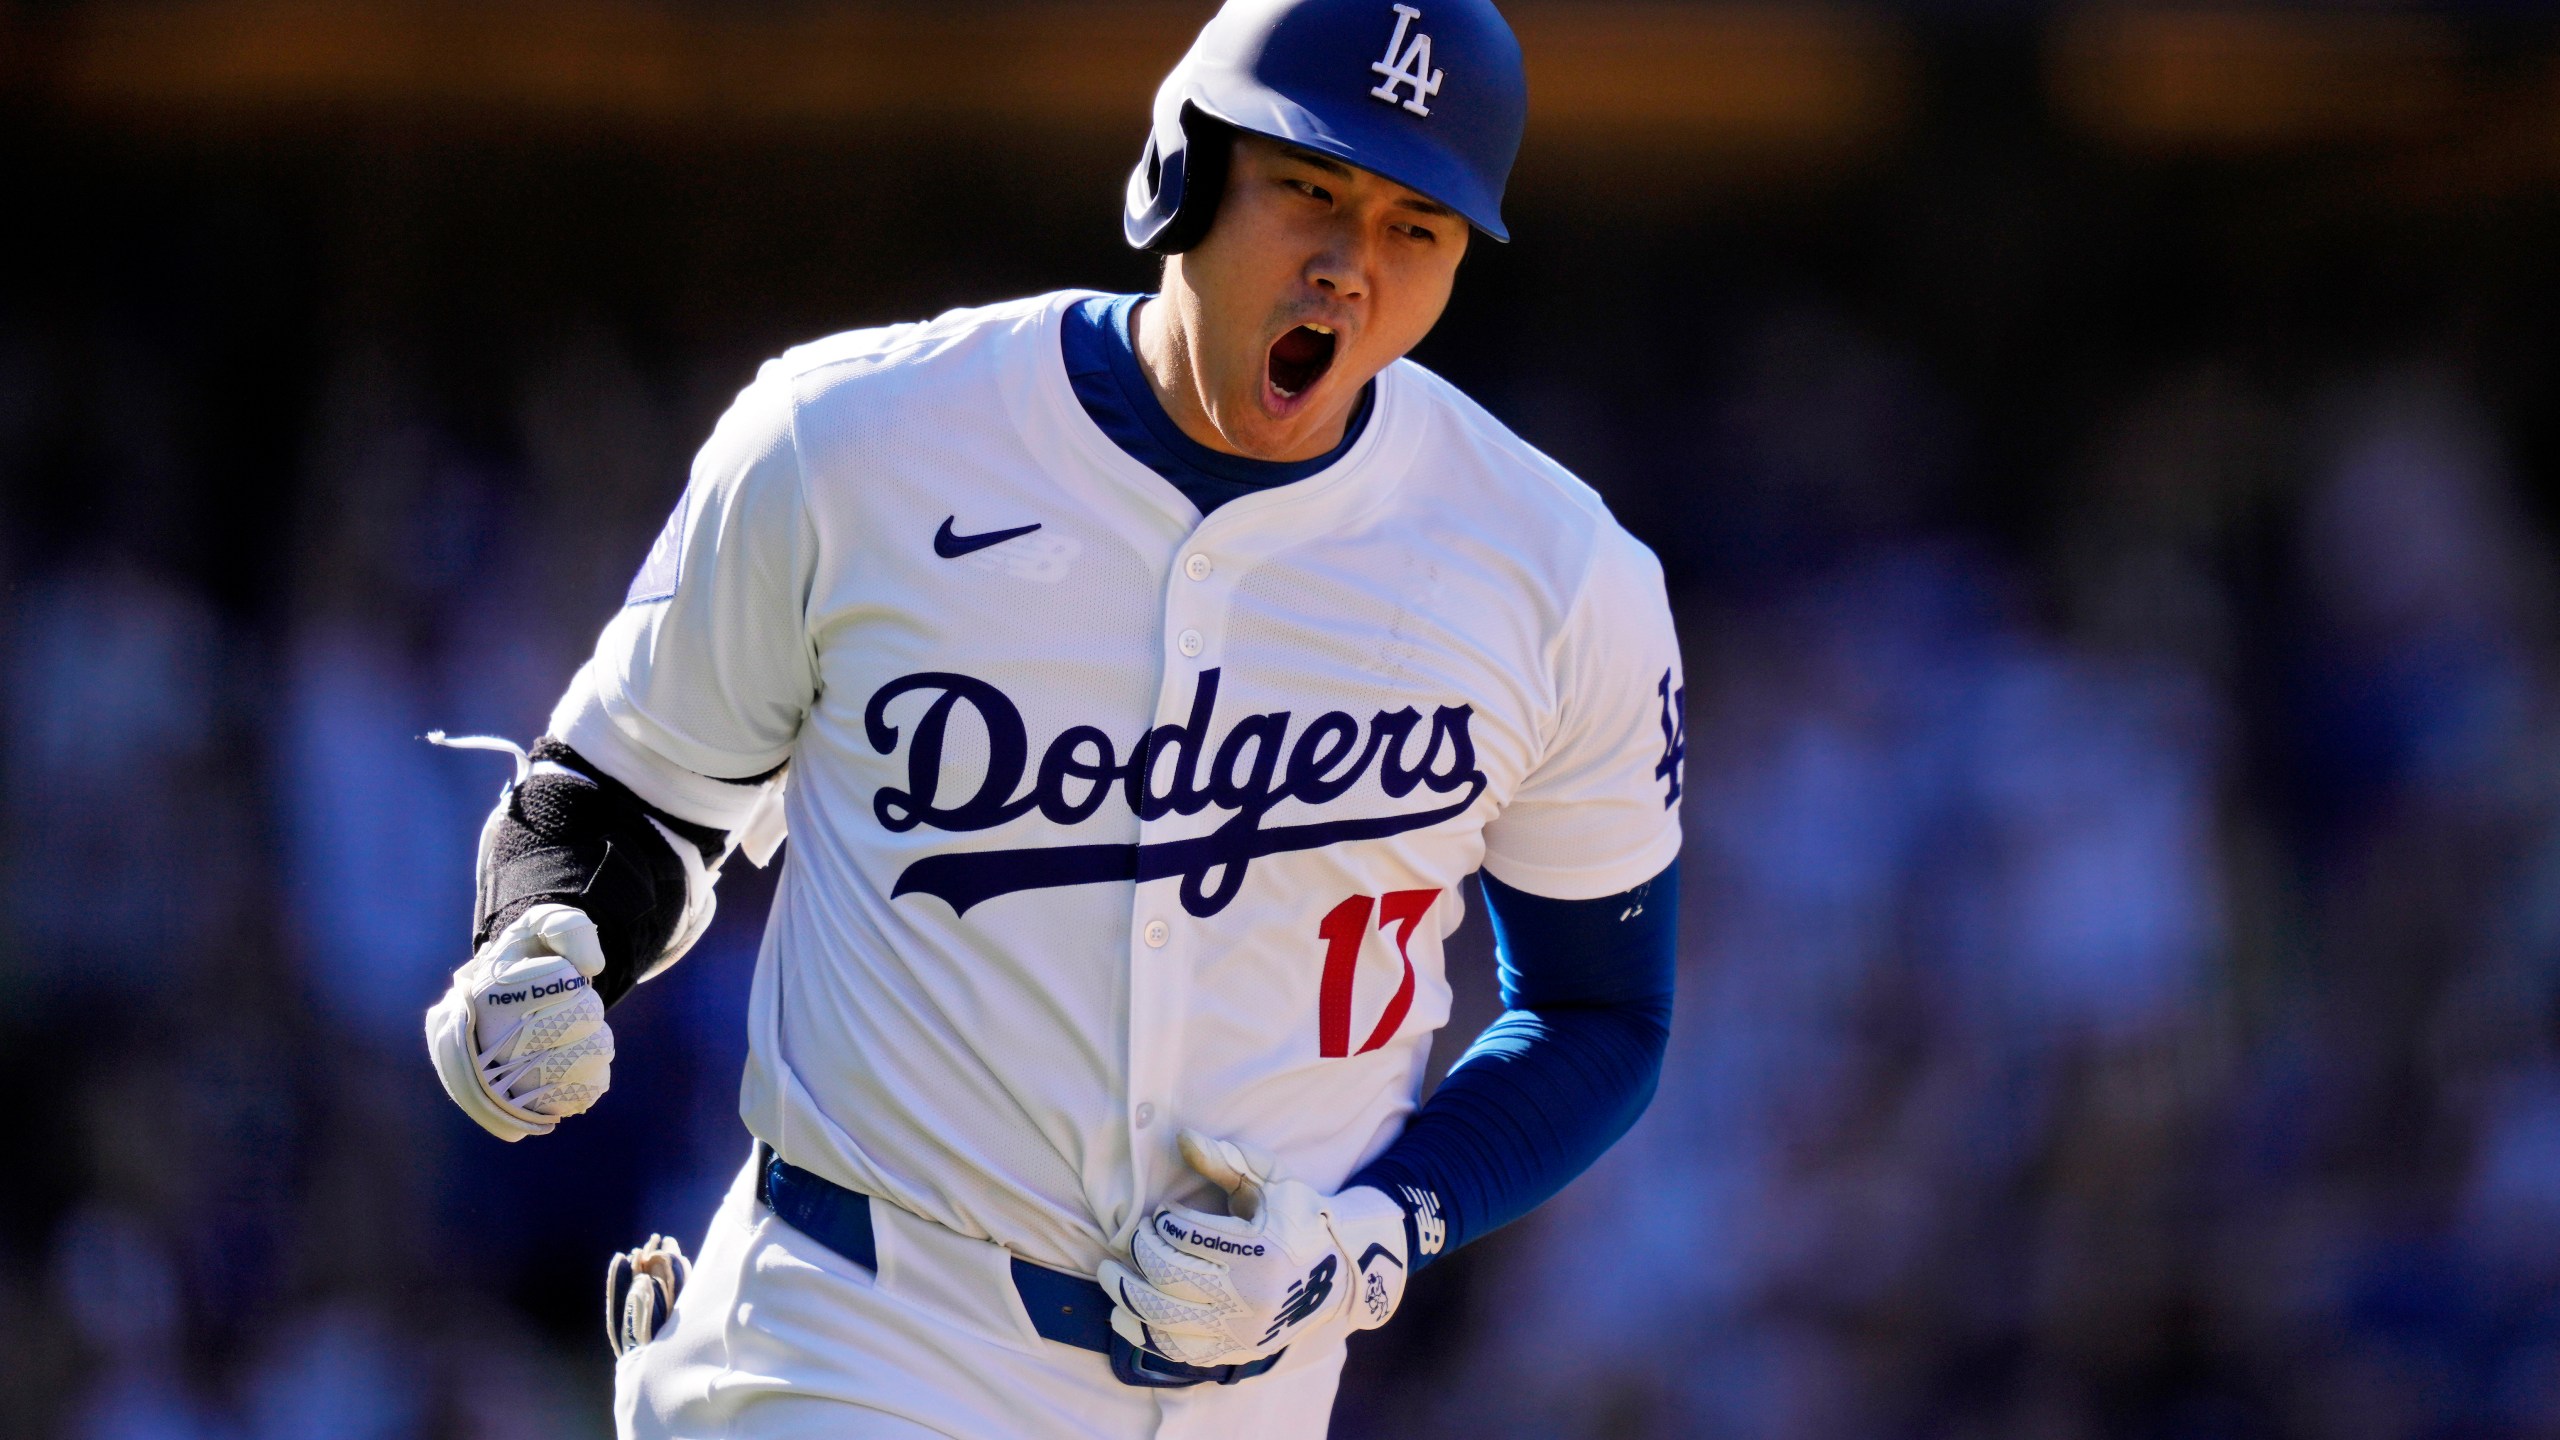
1219,1289
520,1040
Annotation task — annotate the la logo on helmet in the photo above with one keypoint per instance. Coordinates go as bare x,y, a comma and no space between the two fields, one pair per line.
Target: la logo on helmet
1413,68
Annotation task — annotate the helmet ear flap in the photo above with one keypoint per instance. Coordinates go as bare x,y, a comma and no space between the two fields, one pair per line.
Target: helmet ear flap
1201,172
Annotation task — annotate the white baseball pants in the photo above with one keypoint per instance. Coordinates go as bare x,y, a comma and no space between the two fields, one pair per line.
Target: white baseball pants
778,1338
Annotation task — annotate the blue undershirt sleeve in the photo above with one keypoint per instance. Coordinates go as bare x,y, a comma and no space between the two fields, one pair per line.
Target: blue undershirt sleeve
1549,1086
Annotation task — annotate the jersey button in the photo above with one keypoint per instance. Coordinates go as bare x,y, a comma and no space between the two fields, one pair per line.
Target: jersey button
1158,932
1146,1116
1197,567
1189,642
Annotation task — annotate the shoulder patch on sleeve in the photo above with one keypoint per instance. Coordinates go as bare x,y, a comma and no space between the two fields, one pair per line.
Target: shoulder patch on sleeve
665,565
1675,737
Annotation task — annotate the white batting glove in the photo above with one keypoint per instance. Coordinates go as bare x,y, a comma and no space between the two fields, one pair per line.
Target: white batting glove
1223,1289
520,1040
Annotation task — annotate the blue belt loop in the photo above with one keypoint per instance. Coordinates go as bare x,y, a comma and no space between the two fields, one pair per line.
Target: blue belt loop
826,1212
1069,1309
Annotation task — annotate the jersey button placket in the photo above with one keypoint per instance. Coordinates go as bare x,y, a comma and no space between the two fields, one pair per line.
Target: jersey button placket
1195,599
1195,596
1157,982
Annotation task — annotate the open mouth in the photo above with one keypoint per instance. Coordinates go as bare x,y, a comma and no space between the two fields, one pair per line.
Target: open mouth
1299,359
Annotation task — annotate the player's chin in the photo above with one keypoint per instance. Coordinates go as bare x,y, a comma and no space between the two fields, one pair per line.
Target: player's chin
1283,427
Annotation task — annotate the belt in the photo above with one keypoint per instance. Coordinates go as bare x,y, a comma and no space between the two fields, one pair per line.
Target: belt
1069,1309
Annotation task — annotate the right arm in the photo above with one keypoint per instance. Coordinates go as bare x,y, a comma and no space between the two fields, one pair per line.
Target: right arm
666,753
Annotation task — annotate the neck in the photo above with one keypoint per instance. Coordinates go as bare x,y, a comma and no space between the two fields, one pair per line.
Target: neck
1167,334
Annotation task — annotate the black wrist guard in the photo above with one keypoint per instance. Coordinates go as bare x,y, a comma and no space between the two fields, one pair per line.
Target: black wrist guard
576,836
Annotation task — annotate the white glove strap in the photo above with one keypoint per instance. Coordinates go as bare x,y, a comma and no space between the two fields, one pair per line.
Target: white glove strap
458,1061
1369,1226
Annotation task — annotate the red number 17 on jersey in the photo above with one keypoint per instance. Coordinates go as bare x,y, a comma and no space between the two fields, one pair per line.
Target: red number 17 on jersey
1344,927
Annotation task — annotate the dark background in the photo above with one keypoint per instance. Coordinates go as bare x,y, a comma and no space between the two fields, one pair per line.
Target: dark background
2104,460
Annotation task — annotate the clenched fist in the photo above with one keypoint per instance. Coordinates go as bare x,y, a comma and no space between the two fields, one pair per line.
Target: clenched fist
1224,1289
520,1040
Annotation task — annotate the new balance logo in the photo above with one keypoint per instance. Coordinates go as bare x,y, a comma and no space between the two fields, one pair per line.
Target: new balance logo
1430,1232
1407,64
1174,1230
561,986
1305,1298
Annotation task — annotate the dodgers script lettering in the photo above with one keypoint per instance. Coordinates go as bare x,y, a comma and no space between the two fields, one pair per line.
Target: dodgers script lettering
1181,769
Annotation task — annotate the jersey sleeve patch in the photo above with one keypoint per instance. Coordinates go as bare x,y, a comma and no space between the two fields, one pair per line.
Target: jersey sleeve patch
665,564
1672,767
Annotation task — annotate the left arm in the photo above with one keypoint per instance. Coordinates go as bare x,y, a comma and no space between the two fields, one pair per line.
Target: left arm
1586,957
1549,1086
1584,913
1542,1092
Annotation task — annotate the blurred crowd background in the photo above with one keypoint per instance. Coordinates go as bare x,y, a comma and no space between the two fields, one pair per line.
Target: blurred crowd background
2105,459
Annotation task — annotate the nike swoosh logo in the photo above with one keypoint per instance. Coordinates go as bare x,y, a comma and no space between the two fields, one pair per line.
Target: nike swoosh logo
952,547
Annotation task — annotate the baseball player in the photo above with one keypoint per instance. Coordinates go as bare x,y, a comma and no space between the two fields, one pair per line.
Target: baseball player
1138,679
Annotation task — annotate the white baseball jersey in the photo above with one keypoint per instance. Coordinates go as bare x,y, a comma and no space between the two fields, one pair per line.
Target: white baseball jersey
1109,819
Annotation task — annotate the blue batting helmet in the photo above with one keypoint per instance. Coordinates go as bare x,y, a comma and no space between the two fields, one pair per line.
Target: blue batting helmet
1428,93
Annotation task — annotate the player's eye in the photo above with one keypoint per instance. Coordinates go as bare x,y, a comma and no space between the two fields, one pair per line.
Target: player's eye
1310,189
1422,233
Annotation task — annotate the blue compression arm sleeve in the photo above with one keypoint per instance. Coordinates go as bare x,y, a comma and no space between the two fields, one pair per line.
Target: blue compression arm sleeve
1586,993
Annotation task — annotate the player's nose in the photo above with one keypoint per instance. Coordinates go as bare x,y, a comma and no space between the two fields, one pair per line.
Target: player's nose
1341,269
